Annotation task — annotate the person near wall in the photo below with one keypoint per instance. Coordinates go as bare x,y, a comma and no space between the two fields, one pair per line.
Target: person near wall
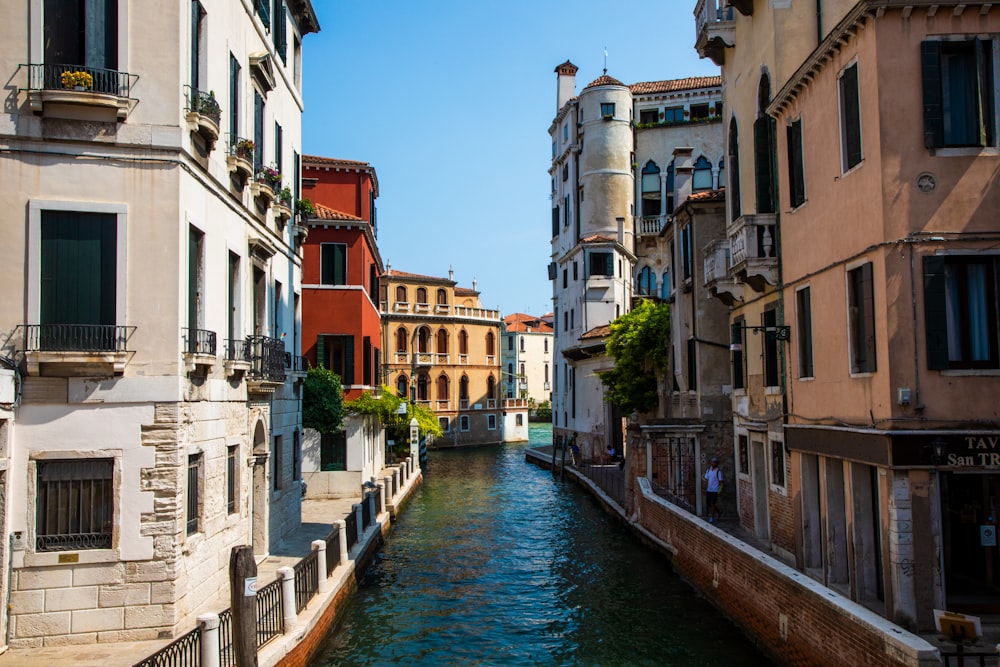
713,486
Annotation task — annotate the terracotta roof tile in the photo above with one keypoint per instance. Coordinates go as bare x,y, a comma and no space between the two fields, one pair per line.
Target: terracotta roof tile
709,195
327,213
465,291
598,332
396,273
674,85
332,161
604,80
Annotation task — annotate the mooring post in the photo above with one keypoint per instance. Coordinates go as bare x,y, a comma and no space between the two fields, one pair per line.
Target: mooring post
288,607
243,601
319,546
381,496
342,530
209,640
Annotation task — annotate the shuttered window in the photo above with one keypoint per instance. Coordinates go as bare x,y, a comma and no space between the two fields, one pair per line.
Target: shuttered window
958,93
336,353
78,267
960,312
796,169
734,171
333,264
861,309
850,117
762,144
771,365
803,311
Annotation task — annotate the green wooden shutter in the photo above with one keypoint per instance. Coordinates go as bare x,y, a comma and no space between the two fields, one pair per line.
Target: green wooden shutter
321,352
930,65
762,164
867,302
851,116
348,359
935,314
341,264
796,170
78,268
984,70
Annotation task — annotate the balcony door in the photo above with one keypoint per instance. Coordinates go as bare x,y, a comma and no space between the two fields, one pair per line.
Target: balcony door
81,32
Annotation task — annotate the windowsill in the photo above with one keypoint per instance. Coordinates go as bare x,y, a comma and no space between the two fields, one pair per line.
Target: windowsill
862,374
971,372
965,151
772,391
780,490
795,209
84,557
740,392
853,169
809,378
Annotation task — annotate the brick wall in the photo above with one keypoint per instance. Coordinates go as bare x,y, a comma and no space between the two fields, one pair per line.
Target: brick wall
796,620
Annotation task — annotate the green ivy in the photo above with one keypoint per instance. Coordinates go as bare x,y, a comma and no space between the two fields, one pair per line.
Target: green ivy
323,401
639,344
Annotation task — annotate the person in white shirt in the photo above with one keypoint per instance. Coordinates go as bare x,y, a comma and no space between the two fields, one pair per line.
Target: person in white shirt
713,477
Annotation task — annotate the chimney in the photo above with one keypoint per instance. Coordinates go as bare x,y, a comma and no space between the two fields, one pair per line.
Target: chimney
683,174
565,83
451,274
474,283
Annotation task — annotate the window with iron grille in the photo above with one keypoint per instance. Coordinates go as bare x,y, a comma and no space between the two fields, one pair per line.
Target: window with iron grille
232,470
193,477
75,504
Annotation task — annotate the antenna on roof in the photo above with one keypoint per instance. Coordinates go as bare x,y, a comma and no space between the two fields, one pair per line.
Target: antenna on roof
605,60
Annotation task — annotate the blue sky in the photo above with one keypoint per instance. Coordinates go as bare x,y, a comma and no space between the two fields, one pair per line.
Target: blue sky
450,101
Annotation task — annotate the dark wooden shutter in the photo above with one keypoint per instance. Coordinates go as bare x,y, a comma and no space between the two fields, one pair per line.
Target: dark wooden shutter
851,116
935,314
78,268
984,71
321,352
258,131
796,170
234,98
864,301
762,164
348,360
930,65
367,359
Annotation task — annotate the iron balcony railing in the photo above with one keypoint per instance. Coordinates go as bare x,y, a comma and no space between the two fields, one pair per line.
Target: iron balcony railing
242,148
199,341
202,103
332,551
306,580
267,358
296,363
236,349
270,613
76,337
73,541
107,81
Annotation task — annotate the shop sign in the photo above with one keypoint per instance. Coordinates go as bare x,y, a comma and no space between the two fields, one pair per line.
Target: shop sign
953,450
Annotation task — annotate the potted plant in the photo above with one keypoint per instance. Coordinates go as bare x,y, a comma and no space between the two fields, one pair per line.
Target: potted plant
209,106
245,148
285,196
270,177
77,80
305,207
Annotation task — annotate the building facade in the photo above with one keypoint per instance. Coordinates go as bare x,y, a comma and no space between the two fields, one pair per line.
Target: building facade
153,308
341,325
868,449
443,353
526,358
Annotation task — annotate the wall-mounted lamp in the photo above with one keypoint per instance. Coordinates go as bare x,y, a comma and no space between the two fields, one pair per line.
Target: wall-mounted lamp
939,448
779,332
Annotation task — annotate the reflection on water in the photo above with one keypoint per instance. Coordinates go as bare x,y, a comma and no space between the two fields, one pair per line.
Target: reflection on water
495,562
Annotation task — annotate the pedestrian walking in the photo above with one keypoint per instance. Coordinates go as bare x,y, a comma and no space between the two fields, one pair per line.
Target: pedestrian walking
713,486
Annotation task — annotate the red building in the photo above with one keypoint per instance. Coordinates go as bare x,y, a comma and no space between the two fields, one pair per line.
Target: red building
341,267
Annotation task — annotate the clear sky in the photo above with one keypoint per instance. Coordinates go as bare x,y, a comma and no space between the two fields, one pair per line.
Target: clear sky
451,100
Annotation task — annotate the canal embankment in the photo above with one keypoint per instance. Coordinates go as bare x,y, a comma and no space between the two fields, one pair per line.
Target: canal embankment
792,618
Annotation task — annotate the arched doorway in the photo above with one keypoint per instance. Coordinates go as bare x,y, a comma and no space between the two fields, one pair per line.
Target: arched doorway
258,511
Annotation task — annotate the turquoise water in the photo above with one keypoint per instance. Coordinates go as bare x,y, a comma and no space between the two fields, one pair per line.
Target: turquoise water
495,562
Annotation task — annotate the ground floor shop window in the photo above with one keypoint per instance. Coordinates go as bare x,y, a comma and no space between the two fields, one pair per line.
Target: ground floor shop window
75,504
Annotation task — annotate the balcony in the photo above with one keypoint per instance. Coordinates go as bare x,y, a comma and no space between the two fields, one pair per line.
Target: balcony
237,358
476,313
717,278
442,405
282,207
267,363
752,250
424,359
296,365
463,404
401,307
86,93
239,157
421,308
443,359
463,359
68,350
650,225
199,350
716,29
265,186
442,309
202,113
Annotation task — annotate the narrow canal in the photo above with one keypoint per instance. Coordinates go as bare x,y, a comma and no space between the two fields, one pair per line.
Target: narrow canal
495,562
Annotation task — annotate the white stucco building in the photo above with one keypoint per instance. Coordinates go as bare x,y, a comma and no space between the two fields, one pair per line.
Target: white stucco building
152,281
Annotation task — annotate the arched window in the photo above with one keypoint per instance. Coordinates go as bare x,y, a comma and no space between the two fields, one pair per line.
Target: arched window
423,340
722,174
463,387
422,387
665,285
491,387
442,297
490,342
401,294
546,373
442,341
650,189
422,295
733,194
401,340
522,371
546,340
522,343
763,146
702,179
645,283
463,342
442,387
510,372
402,386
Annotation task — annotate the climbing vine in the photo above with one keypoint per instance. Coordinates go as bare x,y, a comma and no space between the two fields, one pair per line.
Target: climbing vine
639,345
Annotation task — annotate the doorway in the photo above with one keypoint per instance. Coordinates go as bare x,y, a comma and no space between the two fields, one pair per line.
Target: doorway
761,519
971,555
258,510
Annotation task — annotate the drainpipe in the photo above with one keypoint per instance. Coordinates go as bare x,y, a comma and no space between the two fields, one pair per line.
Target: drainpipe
819,21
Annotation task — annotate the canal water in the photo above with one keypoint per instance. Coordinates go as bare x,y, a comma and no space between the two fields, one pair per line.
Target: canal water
495,562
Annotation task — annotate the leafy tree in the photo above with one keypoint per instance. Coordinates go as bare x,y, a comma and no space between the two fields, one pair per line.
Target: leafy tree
544,411
638,344
323,401
385,407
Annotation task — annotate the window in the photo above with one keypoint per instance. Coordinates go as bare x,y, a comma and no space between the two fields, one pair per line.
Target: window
423,340
959,96
545,344
645,283
442,297
421,295
296,456
796,169
702,179
234,97
576,273
258,131
463,423
771,365
264,12
491,387
861,310
278,149
651,189
277,463
233,328
82,33
401,340
490,342
565,282
445,424
463,388
463,342
763,145
279,34
572,318
735,209
510,343
442,388
665,285
491,422
519,419
647,116
607,110
699,111
601,264
75,504
422,388
442,341
555,221
670,188
744,454
336,353
692,364
401,386
803,311
522,343
673,114
736,350
565,172
333,451
686,251
400,294
232,477
960,309
197,46
850,117
778,463
78,279
193,496
333,264
566,132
